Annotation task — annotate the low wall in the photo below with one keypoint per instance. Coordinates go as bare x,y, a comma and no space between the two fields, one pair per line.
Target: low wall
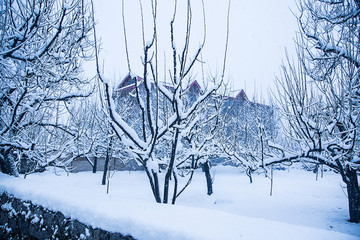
23,220
81,165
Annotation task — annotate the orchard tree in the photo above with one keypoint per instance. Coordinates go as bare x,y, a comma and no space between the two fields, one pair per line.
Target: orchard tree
158,125
320,95
42,43
199,142
246,129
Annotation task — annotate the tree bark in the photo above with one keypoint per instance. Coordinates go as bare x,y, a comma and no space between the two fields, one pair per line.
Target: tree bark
154,183
95,164
170,167
175,189
7,162
249,173
157,187
107,160
206,169
353,195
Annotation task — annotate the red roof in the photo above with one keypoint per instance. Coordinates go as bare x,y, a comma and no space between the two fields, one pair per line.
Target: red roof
242,96
128,83
193,86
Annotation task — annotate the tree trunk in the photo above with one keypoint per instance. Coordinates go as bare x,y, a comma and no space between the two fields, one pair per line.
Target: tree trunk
175,189
7,162
107,160
154,183
206,169
157,187
170,167
353,195
249,173
95,159
106,165
95,164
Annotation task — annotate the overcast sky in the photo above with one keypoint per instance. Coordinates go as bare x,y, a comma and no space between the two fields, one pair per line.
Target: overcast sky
259,33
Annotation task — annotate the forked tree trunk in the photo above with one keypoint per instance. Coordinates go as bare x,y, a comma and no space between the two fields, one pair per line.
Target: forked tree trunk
170,167
154,183
353,191
249,173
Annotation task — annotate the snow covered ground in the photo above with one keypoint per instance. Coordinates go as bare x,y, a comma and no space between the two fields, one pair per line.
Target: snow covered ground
300,208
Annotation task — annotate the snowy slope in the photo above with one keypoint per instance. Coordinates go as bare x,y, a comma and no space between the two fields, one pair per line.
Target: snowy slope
237,210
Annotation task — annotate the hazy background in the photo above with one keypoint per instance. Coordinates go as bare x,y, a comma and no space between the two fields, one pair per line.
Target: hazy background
259,33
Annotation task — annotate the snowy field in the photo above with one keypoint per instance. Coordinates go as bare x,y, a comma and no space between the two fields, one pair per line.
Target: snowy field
300,208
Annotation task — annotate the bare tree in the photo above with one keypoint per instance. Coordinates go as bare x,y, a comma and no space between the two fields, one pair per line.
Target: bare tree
321,130
198,141
320,96
246,129
160,123
41,46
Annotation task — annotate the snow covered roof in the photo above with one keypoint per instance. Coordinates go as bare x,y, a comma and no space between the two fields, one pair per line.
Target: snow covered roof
128,83
242,95
194,86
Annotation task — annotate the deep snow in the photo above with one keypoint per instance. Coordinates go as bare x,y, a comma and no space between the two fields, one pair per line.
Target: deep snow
300,208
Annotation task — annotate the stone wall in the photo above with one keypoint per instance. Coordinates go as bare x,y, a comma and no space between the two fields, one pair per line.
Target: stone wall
23,220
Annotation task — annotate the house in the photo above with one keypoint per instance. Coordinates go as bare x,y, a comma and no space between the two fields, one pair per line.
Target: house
127,86
239,106
243,117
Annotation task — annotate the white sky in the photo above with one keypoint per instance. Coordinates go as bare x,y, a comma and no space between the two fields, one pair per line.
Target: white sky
259,33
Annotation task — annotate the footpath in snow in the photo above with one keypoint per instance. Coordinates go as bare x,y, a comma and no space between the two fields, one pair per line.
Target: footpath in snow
301,208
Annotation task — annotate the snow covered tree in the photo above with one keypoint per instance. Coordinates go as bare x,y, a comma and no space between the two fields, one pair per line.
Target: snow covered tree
87,122
41,46
246,129
322,128
198,140
165,115
320,95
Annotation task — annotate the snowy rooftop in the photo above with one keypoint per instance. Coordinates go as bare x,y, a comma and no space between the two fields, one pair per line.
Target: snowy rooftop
128,83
